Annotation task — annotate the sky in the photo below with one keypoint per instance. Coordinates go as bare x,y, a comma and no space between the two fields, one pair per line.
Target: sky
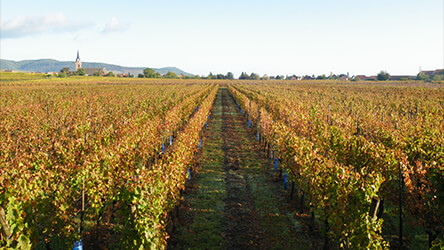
276,37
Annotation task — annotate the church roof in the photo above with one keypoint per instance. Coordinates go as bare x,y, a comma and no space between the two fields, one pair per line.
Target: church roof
78,57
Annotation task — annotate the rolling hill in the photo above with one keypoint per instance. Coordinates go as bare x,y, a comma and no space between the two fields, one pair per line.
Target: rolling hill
49,65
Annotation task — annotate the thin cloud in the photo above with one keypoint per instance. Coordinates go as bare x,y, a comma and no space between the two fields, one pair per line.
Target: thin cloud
25,26
114,25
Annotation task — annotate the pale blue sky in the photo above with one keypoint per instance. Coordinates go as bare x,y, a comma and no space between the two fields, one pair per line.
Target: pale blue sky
266,37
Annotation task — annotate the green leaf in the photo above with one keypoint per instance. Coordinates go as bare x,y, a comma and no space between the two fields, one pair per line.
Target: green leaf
63,207
24,242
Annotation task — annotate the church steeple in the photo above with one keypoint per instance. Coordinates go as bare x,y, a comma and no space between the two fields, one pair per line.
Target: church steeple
78,62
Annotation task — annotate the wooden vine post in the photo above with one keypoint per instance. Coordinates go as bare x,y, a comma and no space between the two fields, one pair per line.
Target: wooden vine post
400,205
82,213
4,223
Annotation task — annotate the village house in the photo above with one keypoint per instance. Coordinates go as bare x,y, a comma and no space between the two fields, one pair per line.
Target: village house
429,73
365,78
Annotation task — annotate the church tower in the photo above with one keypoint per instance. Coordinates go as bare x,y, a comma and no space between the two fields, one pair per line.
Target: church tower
78,62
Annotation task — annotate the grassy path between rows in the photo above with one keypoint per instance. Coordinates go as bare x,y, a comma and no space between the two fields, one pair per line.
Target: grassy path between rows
235,200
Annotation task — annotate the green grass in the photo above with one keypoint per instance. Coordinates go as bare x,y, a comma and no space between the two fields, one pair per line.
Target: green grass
207,206
279,225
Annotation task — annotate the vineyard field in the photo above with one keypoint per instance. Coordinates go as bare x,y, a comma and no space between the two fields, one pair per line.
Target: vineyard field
83,158
109,162
353,150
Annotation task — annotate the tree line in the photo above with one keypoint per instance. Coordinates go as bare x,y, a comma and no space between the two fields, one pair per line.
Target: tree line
151,73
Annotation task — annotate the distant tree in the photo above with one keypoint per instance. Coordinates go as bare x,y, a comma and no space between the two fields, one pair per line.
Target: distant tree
171,75
81,72
229,76
220,76
196,77
265,77
421,76
254,76
436,77
150,73
97,73
278,77
244,76
321,77
62,74
65,69
110,74
140,76
333,77
441,75
383,76
211,76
